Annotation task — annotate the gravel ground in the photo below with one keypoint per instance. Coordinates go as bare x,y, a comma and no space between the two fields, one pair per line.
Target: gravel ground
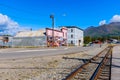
45,68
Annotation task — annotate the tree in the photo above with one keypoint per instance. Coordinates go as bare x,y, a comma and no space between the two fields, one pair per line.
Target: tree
87,39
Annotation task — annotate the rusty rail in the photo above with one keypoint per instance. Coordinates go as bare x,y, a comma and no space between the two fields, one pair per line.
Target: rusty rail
101,66
80,68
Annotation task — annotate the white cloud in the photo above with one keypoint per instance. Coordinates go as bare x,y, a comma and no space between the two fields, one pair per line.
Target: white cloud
8,26
102,22
115,18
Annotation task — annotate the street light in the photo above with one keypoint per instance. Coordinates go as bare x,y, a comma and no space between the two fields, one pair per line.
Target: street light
52,17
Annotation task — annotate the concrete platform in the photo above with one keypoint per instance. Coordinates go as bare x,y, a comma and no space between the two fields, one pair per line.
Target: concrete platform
115,73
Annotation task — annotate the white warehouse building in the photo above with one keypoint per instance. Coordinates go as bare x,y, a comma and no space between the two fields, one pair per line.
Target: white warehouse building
75,36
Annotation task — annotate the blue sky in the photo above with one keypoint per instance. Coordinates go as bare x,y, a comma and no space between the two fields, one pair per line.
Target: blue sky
82,13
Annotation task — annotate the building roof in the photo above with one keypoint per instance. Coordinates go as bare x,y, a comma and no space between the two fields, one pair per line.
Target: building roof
30,33
73,27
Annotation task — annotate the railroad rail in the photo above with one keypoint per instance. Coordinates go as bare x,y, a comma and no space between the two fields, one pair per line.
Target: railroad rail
97,68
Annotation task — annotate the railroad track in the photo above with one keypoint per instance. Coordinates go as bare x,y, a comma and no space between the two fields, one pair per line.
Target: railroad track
97,68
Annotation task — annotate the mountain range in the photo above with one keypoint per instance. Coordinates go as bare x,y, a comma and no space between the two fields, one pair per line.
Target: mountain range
111,29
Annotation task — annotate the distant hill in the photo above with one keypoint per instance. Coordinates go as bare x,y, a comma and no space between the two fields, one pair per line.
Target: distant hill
104,30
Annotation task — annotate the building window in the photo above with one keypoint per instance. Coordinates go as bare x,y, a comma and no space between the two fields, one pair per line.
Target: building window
71,42
71,30
71,35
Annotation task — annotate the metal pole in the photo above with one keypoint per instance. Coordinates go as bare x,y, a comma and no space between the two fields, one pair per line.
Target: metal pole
52,17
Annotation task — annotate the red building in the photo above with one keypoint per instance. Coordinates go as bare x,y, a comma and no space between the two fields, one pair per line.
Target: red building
56,37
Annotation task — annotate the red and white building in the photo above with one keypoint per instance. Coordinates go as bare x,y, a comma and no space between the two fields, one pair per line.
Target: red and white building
56,37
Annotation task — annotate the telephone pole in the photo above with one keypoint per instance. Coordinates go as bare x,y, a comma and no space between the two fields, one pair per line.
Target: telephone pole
52,17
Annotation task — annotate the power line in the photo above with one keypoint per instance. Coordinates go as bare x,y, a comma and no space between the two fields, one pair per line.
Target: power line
17,9
19,18
20,10
34,19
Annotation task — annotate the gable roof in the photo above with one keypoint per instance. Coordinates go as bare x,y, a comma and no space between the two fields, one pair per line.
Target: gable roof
30,33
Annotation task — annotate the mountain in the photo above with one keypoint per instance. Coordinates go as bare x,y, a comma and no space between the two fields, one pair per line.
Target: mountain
104,30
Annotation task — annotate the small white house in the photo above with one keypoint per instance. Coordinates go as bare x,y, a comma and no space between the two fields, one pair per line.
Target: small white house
74,36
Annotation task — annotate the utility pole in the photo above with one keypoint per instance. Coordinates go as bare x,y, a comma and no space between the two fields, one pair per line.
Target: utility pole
52,17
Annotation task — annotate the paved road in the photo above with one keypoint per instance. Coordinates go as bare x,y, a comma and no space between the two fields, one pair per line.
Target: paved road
23,53
115,73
